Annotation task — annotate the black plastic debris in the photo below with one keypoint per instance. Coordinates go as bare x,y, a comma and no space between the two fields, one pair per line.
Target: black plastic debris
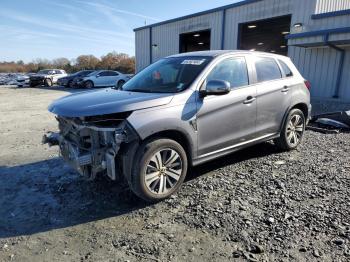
331,123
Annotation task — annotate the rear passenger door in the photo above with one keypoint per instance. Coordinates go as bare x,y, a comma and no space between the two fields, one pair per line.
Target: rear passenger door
273,95
102,78
114,76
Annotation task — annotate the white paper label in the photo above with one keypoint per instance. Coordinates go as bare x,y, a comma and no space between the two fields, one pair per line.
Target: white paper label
193,62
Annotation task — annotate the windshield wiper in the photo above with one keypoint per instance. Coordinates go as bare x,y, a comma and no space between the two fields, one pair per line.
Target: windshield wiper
140,91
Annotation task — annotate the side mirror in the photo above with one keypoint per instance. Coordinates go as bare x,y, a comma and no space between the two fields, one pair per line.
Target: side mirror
97,76
216,88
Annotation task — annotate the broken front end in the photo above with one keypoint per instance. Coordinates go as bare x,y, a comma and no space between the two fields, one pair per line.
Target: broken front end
91,144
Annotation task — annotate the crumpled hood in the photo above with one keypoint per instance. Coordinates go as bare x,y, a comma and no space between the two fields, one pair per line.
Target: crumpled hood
106,101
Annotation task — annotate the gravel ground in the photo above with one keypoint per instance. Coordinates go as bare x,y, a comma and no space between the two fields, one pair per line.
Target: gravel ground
256,205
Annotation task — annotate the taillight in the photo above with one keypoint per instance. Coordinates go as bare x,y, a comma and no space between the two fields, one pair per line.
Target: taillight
307,84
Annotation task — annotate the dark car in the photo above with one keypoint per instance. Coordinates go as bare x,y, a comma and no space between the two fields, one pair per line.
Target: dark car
69,81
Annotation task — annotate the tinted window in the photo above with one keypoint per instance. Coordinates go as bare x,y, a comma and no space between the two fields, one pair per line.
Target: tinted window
104,73
112,73
58,72
84,73
267,69
285,69
233,70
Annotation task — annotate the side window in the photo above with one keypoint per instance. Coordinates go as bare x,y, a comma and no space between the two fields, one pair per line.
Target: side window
232,70
285,69
104,73
112,73
58,72
267,69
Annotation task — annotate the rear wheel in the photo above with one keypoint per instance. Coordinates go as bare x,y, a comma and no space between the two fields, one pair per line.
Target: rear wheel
292,131
48,82
160,169
89,84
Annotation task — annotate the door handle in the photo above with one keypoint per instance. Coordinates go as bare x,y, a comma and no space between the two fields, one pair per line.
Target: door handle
285,89
249,100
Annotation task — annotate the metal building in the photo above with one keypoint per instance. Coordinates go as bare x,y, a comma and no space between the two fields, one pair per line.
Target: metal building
314,33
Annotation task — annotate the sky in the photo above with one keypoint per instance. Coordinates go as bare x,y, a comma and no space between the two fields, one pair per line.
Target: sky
49,29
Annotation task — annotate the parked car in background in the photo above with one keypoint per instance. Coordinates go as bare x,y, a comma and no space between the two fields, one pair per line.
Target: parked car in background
68,81
24,79
182,111
9,78
47,77
119,84
102,78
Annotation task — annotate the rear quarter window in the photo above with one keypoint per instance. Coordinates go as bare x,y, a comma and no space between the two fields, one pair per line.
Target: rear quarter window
286,69
267,69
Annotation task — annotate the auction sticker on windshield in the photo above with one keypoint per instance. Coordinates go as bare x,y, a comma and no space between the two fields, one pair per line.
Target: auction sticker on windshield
193,62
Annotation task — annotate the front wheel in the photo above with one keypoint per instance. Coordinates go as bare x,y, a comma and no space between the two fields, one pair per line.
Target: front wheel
89,84
159,170
292,131
48,82
70,84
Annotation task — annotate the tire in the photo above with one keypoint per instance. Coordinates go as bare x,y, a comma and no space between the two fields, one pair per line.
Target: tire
48,82
120,83
292,131
147,174
70,84
89,84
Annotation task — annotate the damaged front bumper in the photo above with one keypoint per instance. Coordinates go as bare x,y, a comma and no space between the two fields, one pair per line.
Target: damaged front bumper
90,149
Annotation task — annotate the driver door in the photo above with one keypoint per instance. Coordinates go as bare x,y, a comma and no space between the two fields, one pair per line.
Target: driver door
227,120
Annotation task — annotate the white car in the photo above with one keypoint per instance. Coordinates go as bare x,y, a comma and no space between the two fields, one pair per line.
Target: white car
46,77
103,78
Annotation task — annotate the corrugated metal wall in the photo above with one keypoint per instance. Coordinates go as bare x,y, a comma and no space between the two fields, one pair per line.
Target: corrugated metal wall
324,6
319,65
142,48
251,12
345,83
166,37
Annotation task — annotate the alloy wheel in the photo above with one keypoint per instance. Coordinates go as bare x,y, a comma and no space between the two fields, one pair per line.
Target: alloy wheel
295,129
163,171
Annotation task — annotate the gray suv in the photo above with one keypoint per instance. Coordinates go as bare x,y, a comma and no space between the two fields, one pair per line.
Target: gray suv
181,111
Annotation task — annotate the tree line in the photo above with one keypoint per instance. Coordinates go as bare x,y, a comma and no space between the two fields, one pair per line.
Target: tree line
112,61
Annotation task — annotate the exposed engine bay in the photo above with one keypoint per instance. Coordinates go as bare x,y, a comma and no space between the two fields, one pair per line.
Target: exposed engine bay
91,144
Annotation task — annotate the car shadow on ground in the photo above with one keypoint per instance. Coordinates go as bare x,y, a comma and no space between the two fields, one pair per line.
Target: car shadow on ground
49,195
257,151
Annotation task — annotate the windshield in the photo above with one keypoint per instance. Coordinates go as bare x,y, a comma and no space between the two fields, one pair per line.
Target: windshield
85,73
169,75
93,73
44,72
